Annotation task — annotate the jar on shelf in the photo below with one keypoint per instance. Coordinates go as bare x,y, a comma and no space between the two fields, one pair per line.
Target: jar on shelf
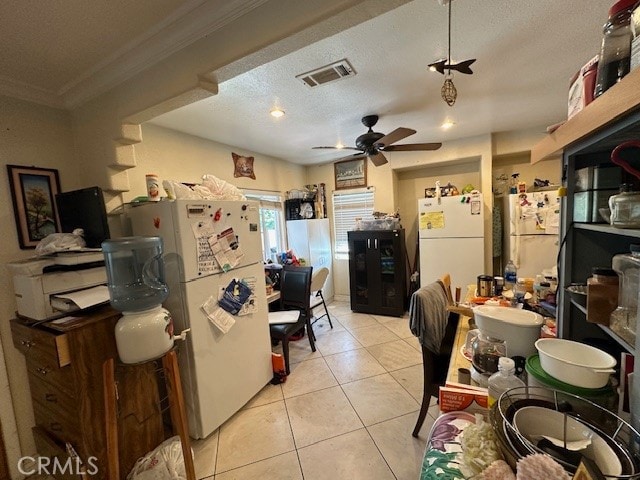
602,295
623,318
615,54
625,208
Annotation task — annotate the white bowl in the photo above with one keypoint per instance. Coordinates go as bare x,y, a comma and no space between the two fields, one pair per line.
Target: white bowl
518,328
533,422
575,363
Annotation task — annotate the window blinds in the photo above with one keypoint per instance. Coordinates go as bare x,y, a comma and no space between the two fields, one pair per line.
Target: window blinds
346,208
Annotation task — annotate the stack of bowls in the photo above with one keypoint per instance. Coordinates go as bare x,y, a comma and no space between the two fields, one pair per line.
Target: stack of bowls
574,368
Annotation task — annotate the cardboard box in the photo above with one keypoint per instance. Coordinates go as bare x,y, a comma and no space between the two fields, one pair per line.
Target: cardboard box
473,400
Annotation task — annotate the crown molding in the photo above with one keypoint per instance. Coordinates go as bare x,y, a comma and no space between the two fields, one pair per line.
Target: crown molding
23,91
191,22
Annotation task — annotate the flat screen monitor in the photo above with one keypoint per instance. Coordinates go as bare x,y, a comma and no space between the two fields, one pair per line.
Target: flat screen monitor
84,209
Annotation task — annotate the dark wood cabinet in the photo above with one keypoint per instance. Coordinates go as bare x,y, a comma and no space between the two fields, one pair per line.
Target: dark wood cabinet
65,369
377,277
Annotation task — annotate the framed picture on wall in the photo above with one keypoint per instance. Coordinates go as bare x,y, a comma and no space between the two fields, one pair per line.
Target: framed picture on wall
33,193
350,173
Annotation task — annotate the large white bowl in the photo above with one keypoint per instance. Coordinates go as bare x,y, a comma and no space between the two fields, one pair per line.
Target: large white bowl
575,363
532,422
518,328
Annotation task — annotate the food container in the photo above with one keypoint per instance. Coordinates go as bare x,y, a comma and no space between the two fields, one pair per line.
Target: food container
575,363
518,328
602,295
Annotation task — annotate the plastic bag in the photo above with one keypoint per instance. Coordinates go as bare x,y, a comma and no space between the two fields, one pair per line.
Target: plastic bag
221,189
61,242
165,462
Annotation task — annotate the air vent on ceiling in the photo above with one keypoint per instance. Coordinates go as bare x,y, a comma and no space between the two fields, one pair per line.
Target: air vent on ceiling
328,73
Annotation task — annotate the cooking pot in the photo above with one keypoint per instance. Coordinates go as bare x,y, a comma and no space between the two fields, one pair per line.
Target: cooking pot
575,363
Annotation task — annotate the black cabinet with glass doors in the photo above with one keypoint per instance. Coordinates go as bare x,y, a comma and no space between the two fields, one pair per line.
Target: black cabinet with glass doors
377,277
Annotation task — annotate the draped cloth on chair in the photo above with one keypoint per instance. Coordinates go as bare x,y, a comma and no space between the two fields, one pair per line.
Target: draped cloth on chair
432,323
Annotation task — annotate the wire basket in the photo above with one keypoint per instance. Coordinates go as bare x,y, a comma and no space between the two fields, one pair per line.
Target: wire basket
619,435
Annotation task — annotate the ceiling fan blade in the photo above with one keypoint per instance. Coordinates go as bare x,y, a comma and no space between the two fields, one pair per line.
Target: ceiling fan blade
378,159
397,134
412,147
336,148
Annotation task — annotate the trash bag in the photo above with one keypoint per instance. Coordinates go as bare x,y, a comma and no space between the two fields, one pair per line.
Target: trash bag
165,462
61,242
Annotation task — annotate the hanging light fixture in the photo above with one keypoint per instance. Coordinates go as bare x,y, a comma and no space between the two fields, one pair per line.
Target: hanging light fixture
448,91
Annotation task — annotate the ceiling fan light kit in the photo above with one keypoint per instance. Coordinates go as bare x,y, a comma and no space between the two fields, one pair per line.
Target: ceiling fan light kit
448,91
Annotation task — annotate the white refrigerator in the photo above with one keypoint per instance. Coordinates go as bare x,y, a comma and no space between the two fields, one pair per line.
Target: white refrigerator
311,240
531,231
220,371
451,239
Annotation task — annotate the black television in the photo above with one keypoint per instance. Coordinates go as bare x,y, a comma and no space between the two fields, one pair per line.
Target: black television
84,209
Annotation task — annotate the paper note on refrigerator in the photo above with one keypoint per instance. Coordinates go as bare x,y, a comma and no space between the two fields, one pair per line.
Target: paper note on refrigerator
431,220
205,258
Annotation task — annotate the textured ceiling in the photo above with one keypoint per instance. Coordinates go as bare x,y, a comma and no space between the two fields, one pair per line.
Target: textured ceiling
526,53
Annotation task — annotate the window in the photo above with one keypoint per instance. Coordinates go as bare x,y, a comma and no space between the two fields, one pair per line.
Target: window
271,221
347,206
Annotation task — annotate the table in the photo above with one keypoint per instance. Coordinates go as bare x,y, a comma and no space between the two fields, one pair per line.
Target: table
458,360
273,296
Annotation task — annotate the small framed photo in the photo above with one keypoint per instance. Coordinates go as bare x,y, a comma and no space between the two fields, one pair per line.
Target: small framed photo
350,173
33,192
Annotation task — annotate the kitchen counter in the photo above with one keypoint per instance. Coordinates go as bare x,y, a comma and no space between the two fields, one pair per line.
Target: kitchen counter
457,359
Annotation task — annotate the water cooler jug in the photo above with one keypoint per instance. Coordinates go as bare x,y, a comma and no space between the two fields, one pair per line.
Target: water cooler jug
135,277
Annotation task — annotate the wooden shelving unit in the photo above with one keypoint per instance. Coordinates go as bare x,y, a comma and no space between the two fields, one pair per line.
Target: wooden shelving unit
616,102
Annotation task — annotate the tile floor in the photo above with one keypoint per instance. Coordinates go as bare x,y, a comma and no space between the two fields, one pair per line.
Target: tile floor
346,411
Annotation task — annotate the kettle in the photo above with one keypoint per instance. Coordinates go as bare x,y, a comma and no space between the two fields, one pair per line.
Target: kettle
484,285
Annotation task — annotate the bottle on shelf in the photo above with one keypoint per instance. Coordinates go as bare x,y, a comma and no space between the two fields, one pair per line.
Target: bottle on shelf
504,379
510,275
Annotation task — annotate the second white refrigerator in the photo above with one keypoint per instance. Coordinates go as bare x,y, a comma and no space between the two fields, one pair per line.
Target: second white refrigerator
451,239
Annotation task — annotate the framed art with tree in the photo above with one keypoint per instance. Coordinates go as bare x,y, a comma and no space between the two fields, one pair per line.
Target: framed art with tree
33,192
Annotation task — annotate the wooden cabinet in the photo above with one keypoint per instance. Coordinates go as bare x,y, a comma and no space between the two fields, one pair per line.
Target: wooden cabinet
64,364
377,276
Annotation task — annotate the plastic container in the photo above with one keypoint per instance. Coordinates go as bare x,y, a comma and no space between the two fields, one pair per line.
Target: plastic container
486,353
153,187
517,327
575,363
503,380
510,275
602,295
135,273
623,318
606,396
615,54
625,208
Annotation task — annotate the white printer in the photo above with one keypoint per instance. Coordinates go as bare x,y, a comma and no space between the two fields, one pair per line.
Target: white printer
40,284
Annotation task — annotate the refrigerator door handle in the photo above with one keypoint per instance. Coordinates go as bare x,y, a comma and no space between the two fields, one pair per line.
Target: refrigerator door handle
375,243
368,243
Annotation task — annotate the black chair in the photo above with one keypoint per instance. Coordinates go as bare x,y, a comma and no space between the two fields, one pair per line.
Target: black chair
295,290
435,365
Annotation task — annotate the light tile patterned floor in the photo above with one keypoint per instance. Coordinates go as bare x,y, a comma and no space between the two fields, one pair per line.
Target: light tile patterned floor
345,412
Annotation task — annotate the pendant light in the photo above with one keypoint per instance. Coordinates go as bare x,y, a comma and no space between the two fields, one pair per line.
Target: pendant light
448,91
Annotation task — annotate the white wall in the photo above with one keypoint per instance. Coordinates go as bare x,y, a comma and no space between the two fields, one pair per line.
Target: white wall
177,156
30,135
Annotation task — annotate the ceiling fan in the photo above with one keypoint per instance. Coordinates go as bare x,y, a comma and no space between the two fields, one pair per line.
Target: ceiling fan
372,144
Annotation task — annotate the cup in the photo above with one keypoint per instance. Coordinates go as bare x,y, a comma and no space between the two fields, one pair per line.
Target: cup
464,376
153,187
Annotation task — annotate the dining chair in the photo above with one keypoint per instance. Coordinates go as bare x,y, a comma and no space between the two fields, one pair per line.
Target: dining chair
435,326
318,280
295,291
